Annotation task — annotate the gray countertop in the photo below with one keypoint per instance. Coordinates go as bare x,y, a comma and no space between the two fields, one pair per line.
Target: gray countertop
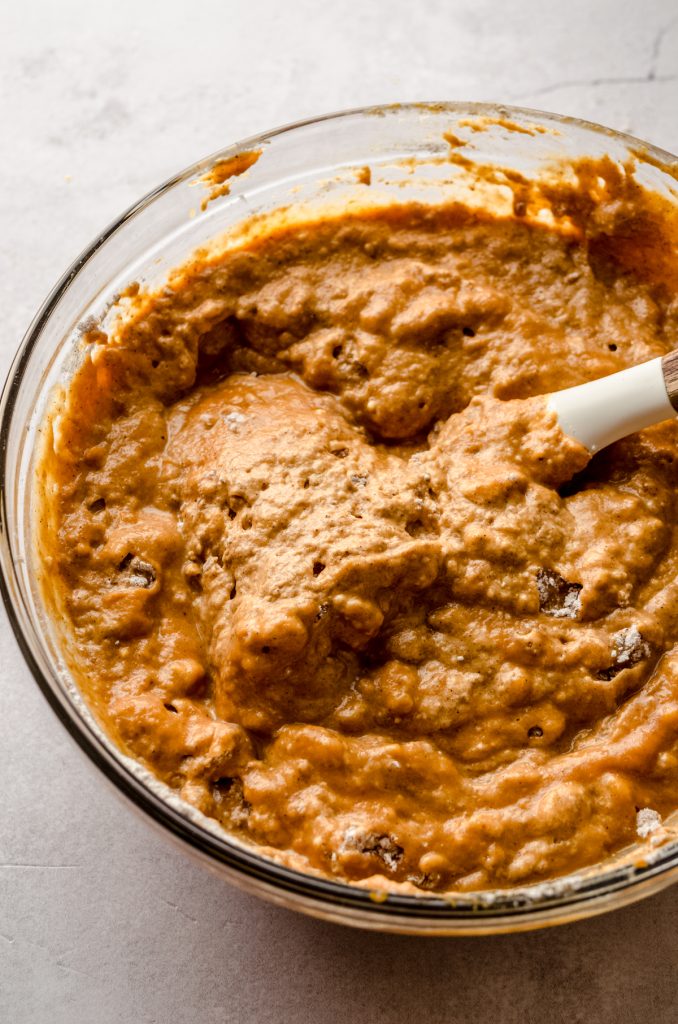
100,918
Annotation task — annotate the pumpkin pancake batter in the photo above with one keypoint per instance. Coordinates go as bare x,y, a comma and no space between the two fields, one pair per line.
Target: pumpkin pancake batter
332,570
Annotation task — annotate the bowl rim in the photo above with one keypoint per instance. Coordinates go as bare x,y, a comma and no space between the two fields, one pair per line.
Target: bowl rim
554,901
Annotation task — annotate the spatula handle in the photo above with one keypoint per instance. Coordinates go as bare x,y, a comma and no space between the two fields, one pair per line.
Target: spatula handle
602,411
670,371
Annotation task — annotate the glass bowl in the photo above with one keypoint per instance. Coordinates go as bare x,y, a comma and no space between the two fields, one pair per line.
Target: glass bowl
307,165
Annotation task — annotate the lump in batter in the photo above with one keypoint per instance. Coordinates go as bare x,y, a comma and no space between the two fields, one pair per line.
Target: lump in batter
297,542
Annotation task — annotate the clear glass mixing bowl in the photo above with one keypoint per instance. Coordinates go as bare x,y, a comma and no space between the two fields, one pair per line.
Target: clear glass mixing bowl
313,163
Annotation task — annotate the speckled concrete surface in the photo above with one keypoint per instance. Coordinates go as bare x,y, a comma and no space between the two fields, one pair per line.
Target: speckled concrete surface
101,921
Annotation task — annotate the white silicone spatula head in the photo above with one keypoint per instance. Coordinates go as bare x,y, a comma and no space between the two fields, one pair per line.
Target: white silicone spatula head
604,410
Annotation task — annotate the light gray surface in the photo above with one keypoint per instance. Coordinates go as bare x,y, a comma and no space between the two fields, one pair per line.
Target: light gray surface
100,919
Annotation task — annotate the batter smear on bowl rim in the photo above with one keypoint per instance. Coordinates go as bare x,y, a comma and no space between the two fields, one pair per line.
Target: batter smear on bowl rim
330,568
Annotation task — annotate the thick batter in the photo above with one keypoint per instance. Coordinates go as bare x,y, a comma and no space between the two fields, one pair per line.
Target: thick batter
333,571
